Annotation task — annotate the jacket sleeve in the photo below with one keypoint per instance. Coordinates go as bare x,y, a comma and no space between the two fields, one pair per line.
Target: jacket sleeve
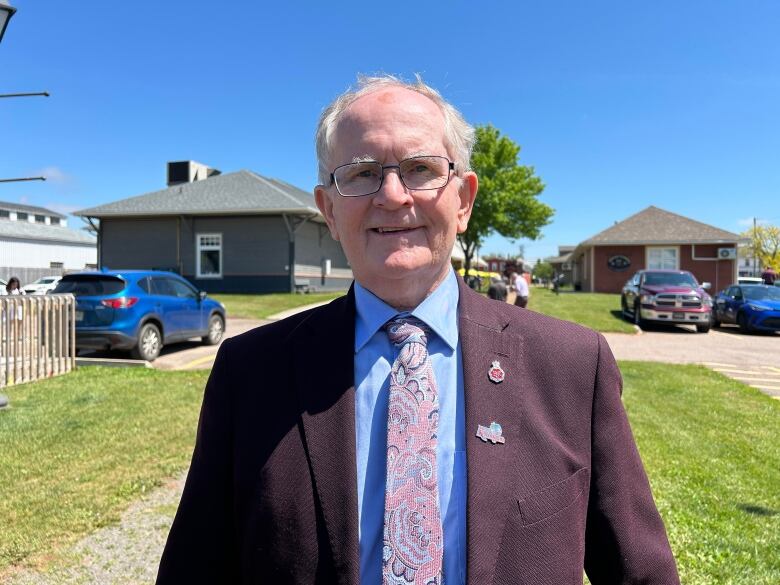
201,545
625,539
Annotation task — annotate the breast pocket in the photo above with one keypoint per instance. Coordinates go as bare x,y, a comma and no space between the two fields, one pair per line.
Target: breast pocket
553,499
544,539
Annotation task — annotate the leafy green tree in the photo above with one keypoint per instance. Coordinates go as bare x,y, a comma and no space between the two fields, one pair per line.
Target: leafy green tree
507,199
765,244
543,270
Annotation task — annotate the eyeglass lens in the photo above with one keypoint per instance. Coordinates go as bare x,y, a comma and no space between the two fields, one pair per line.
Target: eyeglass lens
419,173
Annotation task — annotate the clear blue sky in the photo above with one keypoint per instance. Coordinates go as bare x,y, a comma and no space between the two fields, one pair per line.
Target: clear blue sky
617,106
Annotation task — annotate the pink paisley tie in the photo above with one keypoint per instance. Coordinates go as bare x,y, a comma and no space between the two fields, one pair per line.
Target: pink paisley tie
413,544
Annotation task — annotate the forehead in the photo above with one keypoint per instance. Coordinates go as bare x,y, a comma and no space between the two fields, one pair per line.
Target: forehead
394,121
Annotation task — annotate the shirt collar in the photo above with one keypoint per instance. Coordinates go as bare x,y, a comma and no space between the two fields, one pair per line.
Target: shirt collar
439,311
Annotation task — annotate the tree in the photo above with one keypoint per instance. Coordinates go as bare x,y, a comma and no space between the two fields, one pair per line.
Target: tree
764,244
507,199
544,270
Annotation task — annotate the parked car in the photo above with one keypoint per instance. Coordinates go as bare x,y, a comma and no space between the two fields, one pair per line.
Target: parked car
667,296
140,311
751,306
42,285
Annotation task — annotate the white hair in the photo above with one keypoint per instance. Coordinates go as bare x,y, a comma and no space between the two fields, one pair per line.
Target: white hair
458,134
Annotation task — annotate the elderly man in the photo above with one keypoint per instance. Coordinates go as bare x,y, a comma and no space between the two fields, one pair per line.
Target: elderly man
412,431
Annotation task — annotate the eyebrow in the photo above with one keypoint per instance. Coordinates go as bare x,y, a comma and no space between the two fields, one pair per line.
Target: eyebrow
369,158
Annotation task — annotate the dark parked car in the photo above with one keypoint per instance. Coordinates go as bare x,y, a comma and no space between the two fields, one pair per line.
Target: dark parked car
667,296
754,306
140,311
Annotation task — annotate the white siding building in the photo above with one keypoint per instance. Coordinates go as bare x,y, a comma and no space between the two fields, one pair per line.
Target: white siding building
36,242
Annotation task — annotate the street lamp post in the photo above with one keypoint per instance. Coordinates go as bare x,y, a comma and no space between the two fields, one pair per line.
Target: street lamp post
6,12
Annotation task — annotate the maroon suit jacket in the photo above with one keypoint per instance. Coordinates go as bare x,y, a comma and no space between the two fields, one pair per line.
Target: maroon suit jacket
271,495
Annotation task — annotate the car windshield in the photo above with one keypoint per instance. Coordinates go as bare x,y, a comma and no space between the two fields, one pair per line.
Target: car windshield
88,285
670,278
761,293
44,281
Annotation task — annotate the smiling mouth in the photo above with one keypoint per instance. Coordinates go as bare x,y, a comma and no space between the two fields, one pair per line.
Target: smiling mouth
392,230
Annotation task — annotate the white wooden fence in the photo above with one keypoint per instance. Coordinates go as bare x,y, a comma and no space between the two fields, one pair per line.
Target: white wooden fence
37,337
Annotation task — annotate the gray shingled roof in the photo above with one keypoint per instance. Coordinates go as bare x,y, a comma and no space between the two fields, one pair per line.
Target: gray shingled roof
657,226
559,259
36,231
242,192
29,209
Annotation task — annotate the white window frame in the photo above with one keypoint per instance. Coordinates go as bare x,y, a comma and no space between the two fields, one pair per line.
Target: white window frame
201,247
676,249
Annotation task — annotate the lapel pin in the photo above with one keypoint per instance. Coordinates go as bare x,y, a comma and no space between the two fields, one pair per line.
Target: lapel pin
496,373
491,433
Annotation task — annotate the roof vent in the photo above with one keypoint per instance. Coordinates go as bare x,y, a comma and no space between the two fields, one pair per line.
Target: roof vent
188,171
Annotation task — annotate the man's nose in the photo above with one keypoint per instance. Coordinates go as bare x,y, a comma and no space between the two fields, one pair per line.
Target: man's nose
393,193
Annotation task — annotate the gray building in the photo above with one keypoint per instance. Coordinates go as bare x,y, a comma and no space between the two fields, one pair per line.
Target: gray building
237,233
35,242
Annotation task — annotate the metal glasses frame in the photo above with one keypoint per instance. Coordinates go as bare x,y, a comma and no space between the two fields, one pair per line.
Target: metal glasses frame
450,170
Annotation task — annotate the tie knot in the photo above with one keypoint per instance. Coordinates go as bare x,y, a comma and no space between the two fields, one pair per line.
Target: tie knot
403,330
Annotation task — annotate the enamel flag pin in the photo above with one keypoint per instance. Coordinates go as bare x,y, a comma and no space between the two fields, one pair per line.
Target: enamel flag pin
491,433
496,373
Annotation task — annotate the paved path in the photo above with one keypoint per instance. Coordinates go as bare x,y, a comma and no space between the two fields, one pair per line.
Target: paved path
752,359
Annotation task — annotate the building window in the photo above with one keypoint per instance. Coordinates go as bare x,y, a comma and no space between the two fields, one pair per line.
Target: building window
209,255
40,219
5,214
55,221
663,258
21,216
56,265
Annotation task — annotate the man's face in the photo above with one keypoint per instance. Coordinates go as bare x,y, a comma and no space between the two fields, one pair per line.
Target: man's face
389,126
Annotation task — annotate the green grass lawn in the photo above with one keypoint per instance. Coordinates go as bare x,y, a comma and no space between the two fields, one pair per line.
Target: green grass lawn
598,311
712,453
262,306
77,449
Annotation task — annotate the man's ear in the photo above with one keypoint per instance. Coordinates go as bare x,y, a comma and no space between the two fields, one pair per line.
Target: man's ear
467,193
325,205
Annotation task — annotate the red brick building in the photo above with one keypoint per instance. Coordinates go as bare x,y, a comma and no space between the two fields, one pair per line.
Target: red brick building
655,238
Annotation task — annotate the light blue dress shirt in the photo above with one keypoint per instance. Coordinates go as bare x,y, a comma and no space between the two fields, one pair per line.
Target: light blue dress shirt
374,356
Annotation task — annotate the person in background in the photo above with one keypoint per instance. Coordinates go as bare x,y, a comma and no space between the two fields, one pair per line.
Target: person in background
769,275
521,287
497,289
14,287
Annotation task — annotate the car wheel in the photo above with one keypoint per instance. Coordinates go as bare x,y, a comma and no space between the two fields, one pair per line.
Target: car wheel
216,330
742,321
149,343
703,328
714,321
624,308
638,321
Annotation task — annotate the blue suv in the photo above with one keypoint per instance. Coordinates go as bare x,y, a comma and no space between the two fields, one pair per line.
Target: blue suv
140,311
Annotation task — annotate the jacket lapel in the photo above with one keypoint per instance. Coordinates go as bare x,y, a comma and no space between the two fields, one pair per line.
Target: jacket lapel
324,374
492,467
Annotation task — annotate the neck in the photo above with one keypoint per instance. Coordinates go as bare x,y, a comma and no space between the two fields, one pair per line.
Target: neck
407,293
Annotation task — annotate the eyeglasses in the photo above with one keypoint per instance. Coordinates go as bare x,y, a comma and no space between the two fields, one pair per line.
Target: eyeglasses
418,173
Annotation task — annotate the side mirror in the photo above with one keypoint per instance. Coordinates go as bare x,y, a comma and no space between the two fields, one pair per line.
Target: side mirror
706,285
202,294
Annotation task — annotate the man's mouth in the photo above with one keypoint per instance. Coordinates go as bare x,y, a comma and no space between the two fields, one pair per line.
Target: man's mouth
390,230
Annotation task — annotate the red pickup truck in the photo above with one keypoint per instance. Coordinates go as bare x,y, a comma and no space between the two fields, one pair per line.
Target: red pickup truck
667,296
